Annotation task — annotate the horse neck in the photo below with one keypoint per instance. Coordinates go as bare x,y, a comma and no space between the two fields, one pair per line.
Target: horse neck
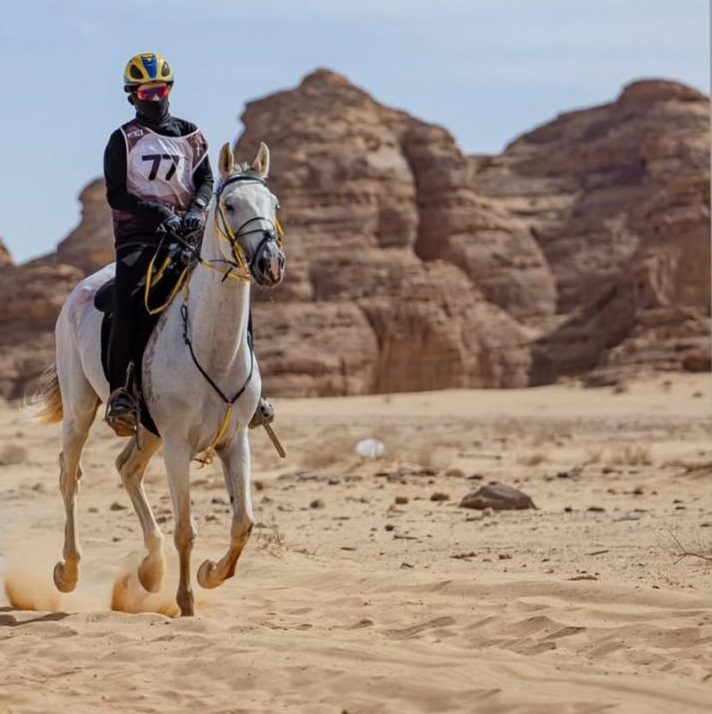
218,311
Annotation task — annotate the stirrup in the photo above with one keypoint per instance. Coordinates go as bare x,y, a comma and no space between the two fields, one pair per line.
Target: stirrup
122,413
264,414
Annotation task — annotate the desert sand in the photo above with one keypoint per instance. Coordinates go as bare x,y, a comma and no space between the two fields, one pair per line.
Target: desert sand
346,601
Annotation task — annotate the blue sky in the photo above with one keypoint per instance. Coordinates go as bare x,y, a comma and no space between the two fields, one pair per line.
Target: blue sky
488,70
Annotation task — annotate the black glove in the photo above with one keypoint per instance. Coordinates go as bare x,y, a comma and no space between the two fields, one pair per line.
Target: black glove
192,222
172,224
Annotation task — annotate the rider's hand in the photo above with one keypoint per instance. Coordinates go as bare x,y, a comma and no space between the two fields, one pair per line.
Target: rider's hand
172,224
191,222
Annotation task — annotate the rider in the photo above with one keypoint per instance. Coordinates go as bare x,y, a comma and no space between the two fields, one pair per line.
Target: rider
158,181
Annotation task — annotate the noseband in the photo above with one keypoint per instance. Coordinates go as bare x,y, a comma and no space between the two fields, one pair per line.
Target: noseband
245,267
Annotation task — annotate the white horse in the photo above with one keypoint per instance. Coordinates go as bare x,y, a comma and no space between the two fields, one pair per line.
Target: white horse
242,237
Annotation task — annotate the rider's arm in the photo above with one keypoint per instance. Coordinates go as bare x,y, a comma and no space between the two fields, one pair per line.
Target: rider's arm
202,173
115,177
203,182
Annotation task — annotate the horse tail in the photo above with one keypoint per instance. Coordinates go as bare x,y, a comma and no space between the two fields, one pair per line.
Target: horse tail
51,395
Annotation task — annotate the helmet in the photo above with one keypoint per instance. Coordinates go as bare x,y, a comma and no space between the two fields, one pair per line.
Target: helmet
146,67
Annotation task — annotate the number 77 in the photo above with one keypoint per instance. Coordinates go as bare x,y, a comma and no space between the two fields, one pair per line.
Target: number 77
156,162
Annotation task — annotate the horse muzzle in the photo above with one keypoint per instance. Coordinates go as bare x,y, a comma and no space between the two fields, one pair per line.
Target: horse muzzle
268,264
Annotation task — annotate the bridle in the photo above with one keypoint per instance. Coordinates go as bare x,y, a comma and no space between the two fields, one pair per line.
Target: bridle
240,267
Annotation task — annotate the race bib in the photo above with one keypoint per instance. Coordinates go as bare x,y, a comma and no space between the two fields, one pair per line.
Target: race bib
160,168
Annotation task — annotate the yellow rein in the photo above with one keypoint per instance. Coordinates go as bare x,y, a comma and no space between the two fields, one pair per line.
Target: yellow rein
209,454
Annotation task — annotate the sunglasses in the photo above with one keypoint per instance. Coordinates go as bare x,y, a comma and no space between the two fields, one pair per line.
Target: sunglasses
152,92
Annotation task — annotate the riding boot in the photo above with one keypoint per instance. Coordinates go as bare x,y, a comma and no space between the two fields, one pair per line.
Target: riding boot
122,412
122,407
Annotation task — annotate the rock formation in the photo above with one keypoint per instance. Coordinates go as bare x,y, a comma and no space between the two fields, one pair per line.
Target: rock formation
618,199
90,245
5,257
31,296
353,178
583,246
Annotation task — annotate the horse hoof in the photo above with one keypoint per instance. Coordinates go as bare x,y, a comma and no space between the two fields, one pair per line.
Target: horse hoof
206,575
150,575
64,582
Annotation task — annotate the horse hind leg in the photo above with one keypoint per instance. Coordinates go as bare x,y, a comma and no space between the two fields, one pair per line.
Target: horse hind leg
236,469
78,418
131,465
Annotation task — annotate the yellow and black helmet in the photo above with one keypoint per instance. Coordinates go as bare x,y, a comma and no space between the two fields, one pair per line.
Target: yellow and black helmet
146,67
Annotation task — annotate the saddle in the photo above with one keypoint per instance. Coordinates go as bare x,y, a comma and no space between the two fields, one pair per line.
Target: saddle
161,292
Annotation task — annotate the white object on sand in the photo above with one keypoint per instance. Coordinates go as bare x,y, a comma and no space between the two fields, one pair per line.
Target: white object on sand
370,448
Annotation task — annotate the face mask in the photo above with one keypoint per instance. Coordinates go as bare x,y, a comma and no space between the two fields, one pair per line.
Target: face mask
152,112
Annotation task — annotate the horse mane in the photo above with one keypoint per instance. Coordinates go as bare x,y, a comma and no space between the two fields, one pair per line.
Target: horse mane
245,167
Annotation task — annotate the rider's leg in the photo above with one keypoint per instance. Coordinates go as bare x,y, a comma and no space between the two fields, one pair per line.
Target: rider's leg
121,408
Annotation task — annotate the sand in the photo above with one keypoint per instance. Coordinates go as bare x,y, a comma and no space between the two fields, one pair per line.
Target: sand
346,601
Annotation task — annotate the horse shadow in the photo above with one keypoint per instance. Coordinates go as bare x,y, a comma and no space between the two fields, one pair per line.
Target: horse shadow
7,619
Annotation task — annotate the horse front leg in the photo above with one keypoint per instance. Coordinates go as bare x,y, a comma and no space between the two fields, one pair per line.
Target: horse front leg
177,459
131,465
236,469
75,430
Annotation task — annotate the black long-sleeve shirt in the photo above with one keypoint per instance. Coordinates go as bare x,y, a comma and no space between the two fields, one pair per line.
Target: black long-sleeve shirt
146,214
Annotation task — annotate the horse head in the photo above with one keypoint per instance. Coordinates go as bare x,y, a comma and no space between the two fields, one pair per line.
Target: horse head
245,216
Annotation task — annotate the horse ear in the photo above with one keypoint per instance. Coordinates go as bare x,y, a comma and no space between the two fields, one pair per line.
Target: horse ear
227,160
261,163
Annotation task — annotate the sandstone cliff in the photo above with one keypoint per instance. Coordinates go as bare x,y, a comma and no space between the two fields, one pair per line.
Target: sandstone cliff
576,231
618,199
5,257
352,177
583,246
91,244
31,296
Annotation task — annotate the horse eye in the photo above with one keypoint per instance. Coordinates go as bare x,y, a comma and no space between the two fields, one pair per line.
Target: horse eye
229,208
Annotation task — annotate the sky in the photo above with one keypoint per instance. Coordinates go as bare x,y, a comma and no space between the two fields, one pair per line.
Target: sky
488,70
